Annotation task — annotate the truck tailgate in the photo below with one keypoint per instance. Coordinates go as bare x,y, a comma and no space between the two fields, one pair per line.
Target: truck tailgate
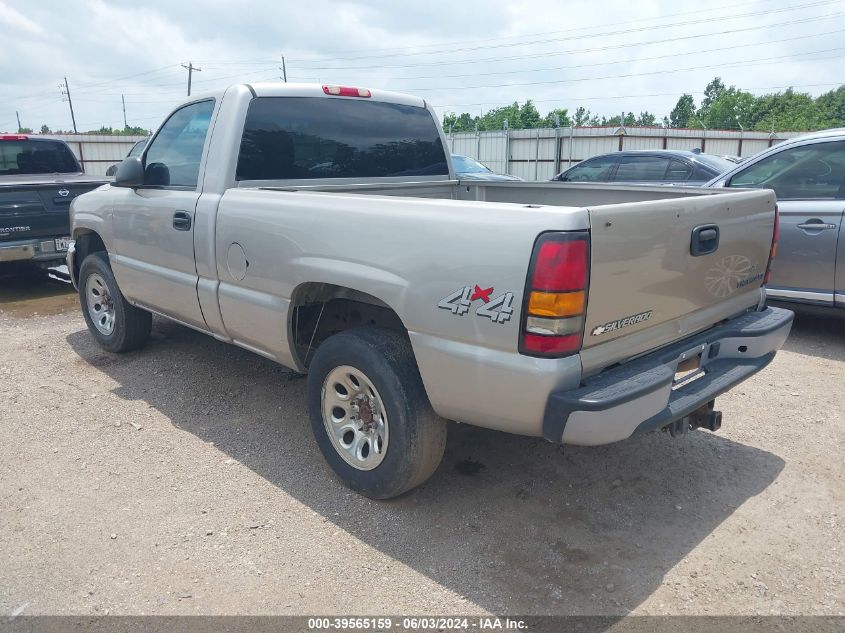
661,270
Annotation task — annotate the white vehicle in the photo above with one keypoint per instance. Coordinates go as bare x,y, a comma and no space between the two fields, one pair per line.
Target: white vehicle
323,227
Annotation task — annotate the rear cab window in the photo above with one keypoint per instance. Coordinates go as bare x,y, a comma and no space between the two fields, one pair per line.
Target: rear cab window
303,138
30,156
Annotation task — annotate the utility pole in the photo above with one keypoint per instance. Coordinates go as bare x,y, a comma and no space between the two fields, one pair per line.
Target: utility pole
284,70
66,93
191,70
20,127
123,101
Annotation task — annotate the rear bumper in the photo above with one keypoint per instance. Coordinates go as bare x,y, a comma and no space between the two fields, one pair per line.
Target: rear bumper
38,250
638,396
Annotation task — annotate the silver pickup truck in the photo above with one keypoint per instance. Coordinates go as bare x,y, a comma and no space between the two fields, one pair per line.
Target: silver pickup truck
323,227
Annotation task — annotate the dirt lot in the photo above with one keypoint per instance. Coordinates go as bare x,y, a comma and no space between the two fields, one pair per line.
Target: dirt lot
184,479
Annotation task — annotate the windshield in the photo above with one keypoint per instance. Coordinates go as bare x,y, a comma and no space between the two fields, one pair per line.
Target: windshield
28,156
466,165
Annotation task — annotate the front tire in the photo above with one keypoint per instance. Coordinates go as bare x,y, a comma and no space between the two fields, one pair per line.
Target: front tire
117,325
370,414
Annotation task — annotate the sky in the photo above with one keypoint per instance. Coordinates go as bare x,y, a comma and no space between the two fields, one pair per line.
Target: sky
461,56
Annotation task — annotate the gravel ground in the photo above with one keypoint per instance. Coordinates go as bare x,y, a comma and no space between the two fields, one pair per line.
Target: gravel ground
183,479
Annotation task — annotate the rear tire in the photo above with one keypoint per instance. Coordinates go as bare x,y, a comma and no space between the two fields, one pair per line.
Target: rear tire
117,325
370,414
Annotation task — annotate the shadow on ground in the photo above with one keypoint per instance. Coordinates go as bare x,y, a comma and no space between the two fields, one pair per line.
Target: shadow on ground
817,331
26,290
517,525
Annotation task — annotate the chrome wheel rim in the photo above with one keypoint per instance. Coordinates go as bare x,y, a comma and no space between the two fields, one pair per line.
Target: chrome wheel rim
354,417
100,304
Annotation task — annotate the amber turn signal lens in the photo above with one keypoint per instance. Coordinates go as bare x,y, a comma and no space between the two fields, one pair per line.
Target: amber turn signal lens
556,304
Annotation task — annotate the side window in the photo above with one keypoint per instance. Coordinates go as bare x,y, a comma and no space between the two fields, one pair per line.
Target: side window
678,171
174,156
592,170
641,169
814,171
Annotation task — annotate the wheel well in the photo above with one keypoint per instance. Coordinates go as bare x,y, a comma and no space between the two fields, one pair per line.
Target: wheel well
320,310
87,242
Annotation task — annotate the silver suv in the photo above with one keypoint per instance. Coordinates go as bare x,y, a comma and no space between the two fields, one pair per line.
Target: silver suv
808,175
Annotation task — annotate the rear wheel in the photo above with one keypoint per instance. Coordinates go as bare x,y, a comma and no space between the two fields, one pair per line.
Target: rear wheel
117,325
370,414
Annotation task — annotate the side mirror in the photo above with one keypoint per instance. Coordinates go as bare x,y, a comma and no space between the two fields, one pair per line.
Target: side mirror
130,173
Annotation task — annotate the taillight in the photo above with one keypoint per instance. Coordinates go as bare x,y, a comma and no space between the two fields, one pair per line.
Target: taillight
774,249
13,137
556,295
347,91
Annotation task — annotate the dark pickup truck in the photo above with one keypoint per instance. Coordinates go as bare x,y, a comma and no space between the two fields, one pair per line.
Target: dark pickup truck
38,179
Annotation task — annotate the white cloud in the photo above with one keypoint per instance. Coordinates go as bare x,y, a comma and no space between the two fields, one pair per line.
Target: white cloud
501,51
11,18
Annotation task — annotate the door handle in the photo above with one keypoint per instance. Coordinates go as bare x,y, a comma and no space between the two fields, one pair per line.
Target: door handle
182,221
705,240
816,225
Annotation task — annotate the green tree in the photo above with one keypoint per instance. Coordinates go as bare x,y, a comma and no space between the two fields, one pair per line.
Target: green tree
646,119
557,117
582,116
790,110
683,111
712,92
45,129
833,105
731,109
24,130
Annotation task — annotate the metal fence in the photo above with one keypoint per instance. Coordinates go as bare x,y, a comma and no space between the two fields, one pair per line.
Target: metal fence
541,153
535,154
98,152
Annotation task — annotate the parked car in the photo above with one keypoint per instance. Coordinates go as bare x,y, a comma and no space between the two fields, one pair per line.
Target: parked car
653,167
808,175
467,168
584,315
136,150
39,178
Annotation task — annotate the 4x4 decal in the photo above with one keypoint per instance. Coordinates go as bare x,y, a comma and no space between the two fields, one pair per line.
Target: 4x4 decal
497,309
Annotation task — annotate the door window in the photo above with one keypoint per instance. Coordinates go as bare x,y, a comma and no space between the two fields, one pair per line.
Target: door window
641,169
806,172
174,156
678,171
593,170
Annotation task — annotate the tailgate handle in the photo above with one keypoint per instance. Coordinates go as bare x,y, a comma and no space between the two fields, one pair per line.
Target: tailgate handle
705,240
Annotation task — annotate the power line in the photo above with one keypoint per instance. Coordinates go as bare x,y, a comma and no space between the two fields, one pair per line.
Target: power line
594,49
600,34
623,61
748,62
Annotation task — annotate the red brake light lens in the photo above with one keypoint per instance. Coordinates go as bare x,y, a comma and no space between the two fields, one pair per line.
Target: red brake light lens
561,266
556,288
13,137
347,91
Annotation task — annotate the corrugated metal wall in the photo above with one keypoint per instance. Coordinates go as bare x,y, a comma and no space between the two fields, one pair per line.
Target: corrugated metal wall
98,152
532,154
529,154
